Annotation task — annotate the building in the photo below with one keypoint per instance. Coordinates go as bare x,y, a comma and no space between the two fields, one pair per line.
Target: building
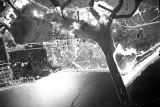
3,56
5,71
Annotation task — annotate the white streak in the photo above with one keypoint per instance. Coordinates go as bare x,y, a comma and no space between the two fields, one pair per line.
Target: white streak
20,3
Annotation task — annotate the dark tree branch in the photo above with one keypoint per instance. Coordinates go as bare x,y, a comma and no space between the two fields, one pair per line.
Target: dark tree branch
78,15
94,13
116,9
65,4
104,7
91,3
105,41
119,6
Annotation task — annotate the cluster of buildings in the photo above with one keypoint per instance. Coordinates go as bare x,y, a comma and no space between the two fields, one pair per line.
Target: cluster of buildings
34,59
5,71
22,61
75,54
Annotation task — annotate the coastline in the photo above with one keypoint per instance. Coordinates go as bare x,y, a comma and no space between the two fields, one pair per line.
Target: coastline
138,69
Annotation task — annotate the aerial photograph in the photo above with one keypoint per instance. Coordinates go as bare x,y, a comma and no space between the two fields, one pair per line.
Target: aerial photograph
79,53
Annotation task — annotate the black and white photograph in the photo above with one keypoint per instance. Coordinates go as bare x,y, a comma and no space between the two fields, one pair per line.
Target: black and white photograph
79,53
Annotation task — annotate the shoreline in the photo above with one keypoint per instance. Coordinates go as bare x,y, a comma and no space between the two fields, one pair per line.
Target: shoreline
127,79
138,69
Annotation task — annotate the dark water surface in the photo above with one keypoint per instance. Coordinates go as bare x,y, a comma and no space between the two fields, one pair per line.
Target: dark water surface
85,89
146,88
67,89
